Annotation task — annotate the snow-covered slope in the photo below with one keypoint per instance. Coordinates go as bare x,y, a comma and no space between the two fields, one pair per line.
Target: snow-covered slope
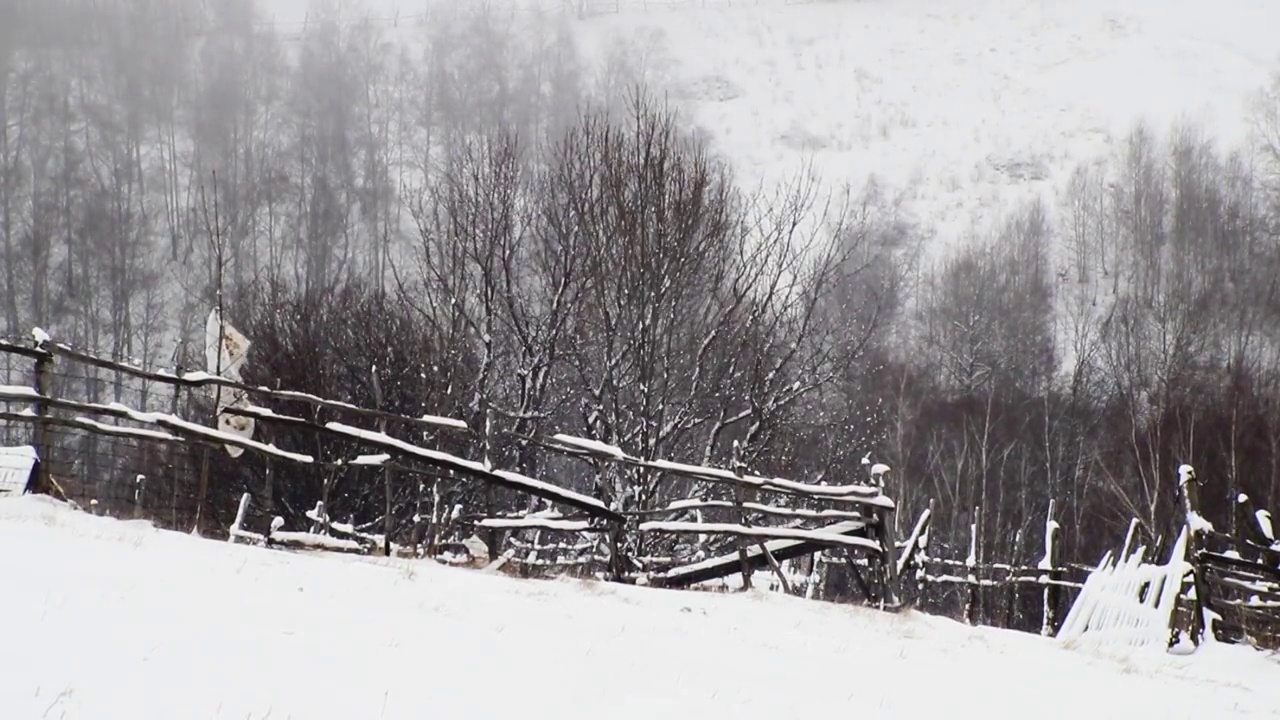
968,105
107,619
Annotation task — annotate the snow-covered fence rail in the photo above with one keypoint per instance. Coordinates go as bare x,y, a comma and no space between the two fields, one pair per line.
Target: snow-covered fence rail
199,380
858,494
34,406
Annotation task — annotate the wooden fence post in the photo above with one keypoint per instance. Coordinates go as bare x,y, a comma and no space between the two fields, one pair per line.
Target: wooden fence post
40,434
202,489
493,536
1011,595
922,560
319,523
139,491
388,475
1049,618
971,563
1189,486
738,498
238,524
888,559
174,406
1130,535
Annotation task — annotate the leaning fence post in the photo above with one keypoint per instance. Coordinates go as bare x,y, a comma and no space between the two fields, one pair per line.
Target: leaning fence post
922,558
1129,537
888,558
40,434
238,525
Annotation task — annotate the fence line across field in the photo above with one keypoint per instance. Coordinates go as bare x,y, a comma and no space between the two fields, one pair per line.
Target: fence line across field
790,531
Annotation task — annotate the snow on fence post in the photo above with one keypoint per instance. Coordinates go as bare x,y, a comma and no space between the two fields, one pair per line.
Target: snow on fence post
40,433
971,562
1049,563
1189,488
817,572
319,520
1254,526
888,571
238,526
738,498
139,490
913,550
1128,539
1189,485
922,566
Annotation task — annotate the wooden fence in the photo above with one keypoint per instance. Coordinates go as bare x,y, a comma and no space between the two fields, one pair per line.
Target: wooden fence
46,413
727,511
1236,578
716,527
728,522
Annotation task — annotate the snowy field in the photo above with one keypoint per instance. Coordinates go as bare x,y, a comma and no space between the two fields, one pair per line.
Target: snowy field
966,106
107,619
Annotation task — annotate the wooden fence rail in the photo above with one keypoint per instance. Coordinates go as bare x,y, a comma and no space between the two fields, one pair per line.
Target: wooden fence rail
169,428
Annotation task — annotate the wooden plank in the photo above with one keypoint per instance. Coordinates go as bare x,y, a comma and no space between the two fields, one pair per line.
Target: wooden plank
725,565
534,523
698,504
1218,560
1242,586
817,537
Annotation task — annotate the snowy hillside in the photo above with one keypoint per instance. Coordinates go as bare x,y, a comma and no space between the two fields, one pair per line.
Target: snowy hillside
110,619
968,106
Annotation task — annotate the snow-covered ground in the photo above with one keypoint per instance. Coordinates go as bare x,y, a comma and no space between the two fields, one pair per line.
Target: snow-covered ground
970,105
108,619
